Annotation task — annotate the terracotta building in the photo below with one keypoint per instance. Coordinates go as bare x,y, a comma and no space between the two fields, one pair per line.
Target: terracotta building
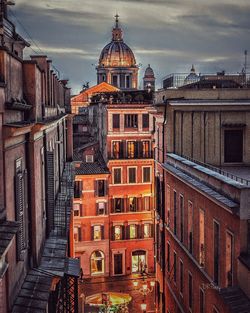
202,213
36,181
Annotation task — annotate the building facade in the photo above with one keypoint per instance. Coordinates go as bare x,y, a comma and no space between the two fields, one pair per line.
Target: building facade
202,215
36,150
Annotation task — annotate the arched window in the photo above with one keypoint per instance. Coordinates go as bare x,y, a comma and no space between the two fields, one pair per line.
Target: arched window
97,263
139,262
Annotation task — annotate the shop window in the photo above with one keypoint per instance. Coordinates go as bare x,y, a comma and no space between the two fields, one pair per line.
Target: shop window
97,263
139,263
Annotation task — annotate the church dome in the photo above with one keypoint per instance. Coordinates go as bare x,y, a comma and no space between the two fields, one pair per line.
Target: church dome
117,53
149,73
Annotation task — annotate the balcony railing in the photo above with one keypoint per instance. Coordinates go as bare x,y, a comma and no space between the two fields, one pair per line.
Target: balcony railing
124,155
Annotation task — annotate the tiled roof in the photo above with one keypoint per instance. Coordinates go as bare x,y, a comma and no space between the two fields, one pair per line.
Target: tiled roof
96,167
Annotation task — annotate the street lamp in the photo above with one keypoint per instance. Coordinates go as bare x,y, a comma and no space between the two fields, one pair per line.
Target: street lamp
144,307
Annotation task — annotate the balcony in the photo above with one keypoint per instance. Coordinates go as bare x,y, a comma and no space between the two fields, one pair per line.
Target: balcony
133,156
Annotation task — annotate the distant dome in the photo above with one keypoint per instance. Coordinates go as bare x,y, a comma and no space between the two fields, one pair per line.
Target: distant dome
117,53
149,73
192,77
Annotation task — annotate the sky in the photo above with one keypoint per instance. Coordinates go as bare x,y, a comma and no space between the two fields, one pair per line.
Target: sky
170,35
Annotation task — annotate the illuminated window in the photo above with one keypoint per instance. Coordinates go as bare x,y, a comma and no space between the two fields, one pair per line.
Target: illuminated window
146,149
202,238
132,231
116,148
139,263
97,263
131,151
118,232
100,208
147,230
97,232
132,204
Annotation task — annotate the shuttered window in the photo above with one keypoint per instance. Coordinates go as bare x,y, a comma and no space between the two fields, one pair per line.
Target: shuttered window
132,175
78,189
116,121
131,120
145,120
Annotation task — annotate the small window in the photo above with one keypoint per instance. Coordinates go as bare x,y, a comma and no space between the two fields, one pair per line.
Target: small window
132,175
116,121
77,234
131,149
132,231
97,232
89,158
147,230
146,175
118,232
117,149
77,209
145,120
146,153
139,262
97,263
101,208
146,203
117,172
118,205
101,188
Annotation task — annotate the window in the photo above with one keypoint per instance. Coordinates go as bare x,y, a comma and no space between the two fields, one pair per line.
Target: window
117,205
181,277
78,189
175,266
116,121
118,264
175,212
181,218
202,301
168,206
190,291
146,203
117,149
233,145
77,209
77,234
128,81
146,174
115,80
132,175
132,204
190,226
139,263
202,238
21,206
97,263
101,188
100,208
145,120
146,149
132,231
131,149
131,120
229,259
118,232
97,232
147,230
168,257
117,175
89,158
216,252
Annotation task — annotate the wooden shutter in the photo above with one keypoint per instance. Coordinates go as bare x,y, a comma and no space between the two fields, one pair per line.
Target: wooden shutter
50,182
19,202
105,208
136,143
138,231
102,232
123,232
97,208
81,209
92,232
96,188
152,230
105,188
124,155
112,201
122,205
79,234
112,232
127,232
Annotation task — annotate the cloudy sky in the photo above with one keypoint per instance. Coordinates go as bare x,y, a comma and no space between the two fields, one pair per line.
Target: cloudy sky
171,35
